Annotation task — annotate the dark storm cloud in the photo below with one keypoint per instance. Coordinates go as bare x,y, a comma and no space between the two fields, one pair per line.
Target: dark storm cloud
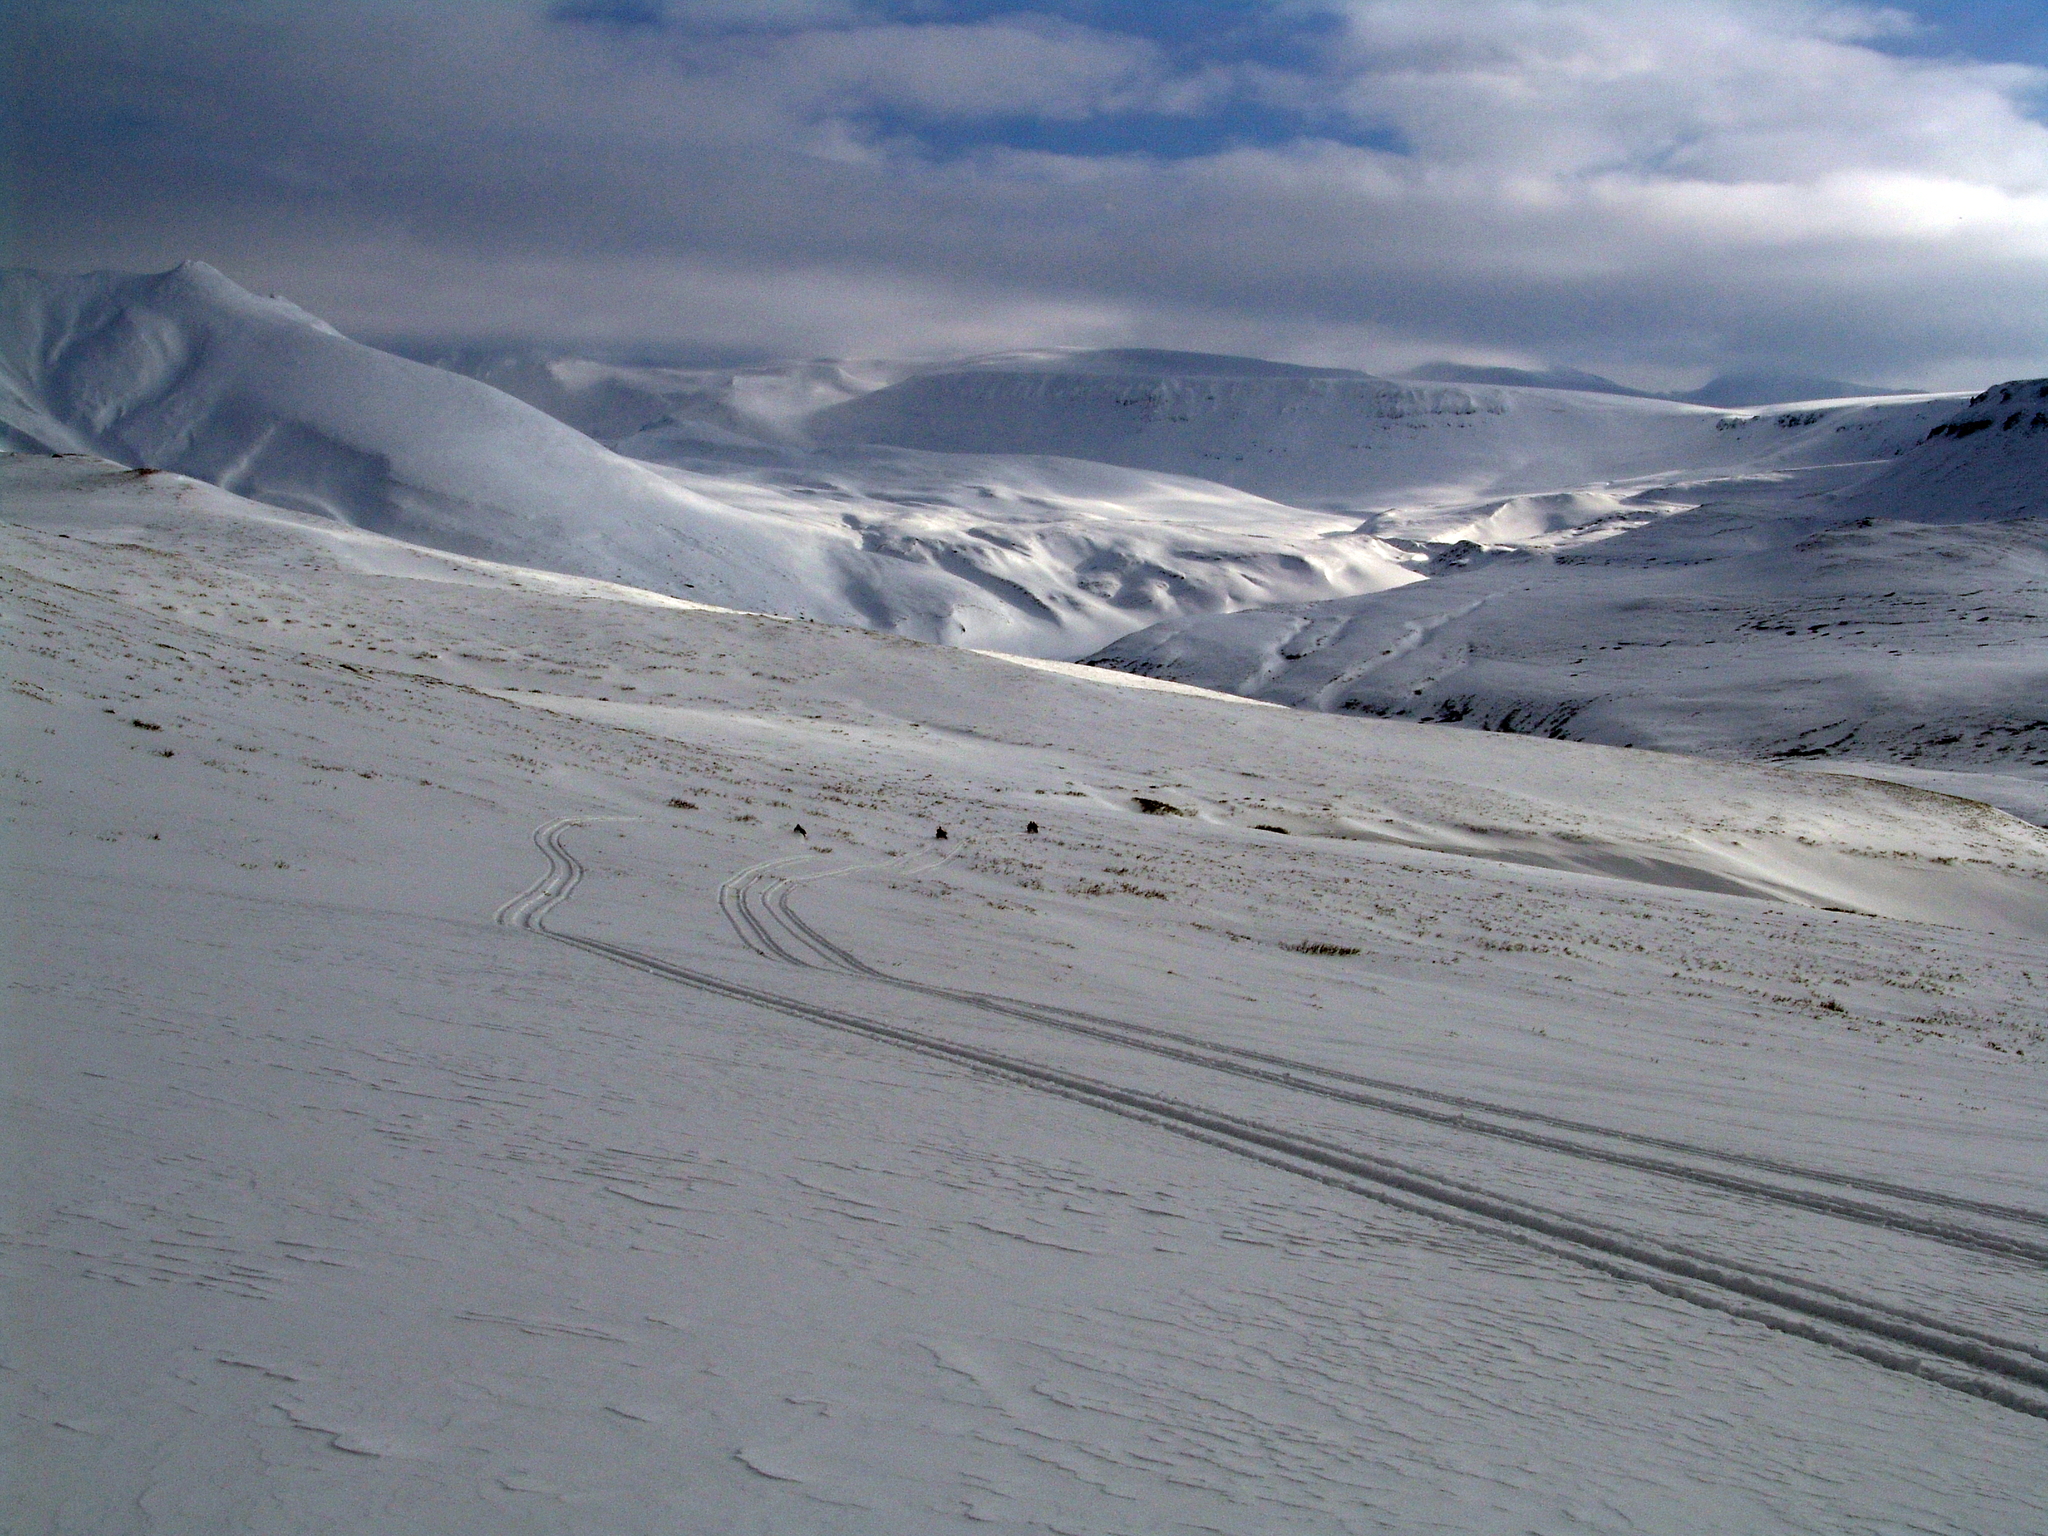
1657,188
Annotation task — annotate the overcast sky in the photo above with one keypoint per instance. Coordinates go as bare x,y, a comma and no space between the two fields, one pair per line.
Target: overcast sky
1656,189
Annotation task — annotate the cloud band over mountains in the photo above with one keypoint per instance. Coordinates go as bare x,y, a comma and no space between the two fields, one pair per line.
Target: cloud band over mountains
1655,190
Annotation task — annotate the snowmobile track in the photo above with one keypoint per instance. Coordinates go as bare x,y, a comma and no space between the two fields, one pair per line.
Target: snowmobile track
756,901
2010,1374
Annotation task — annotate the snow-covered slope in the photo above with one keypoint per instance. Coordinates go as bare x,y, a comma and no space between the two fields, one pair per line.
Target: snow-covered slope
1693,823
1903,621
185,371
336,1206
1984,462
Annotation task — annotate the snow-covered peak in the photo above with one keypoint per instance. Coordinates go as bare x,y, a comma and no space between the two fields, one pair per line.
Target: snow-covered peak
183,370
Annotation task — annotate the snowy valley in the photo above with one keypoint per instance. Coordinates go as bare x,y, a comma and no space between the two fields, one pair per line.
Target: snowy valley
1505,995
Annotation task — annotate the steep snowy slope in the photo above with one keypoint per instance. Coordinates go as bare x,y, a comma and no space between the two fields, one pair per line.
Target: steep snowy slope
735,1196
185,371
1915,632
1986,461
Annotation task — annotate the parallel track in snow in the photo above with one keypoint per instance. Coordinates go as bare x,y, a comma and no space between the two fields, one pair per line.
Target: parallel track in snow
2009,1373
756,903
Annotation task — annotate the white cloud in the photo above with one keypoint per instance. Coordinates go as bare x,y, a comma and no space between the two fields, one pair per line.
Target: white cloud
1712,90
1604,182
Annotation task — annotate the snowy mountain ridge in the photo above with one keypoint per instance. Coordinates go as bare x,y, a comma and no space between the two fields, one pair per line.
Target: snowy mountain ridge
183,370
1317,537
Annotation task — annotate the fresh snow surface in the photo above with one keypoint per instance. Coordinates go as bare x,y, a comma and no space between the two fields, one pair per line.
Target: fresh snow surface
184,371
746,1204
1900,620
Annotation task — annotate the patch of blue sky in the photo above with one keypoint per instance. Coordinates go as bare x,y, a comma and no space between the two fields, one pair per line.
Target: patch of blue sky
1281,34
1161,136
1995,31
1286,34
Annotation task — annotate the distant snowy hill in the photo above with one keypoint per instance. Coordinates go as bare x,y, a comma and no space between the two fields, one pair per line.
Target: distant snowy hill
1526,378
1726,390
1758,389
184,370
1901,620
1326,438
1515,465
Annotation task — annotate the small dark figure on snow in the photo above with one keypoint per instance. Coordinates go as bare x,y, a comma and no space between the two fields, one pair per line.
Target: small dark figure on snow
1031,827
800,832
939,836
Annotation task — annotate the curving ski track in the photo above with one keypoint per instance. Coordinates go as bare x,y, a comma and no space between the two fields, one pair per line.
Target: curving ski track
2009,1373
